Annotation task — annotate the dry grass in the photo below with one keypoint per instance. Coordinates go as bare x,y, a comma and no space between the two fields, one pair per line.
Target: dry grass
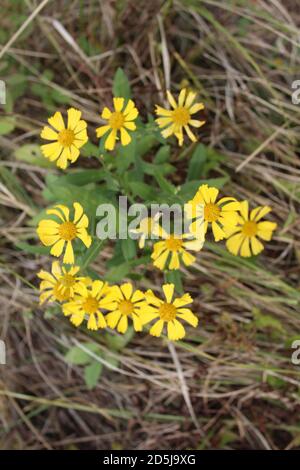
231,384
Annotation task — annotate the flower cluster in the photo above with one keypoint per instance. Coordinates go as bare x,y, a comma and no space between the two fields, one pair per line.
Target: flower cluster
66,141
102,305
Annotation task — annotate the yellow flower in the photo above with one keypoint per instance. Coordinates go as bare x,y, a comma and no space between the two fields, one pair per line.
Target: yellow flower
243,239
128,304
168,312
221,214
59,284
56,234
120,120
66,140
148,226
175,248
173,121
89,302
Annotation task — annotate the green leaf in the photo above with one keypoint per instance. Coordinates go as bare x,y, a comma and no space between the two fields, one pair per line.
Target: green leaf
128,249
121,86
35,250
188,189
164,184
92,373
197,162
174,277
7,125
118,342
91,254
31,153
77,356
117,273
145,191
163,155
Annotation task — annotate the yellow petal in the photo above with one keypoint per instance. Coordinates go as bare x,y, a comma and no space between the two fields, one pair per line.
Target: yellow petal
157,328
74,153
187,315
168,290
219,234
244,209
57,121
118,104
196,107
245,248
181,97
123,324
113,318
174,262
74,116
187,258
106,113
92,323
111,140
69,254
190,98
49,134
100,131
78,211
233,244
175,330
162,111
51,151
125,137
57,249
256,246
126,290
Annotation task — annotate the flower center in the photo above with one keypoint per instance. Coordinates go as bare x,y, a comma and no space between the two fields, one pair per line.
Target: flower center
66,137
167,312
249,228
126,307
90,305
67,280
116,120
181,116
60,294
67,231
174,244
211,212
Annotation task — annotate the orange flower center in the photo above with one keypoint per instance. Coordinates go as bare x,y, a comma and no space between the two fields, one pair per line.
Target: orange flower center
126,307
181,116
249,228
67,231
90,305
174,244
211,212
116,120
67,280
66,137
167,312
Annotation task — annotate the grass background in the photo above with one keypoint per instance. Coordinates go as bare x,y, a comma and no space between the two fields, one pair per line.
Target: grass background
230,383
